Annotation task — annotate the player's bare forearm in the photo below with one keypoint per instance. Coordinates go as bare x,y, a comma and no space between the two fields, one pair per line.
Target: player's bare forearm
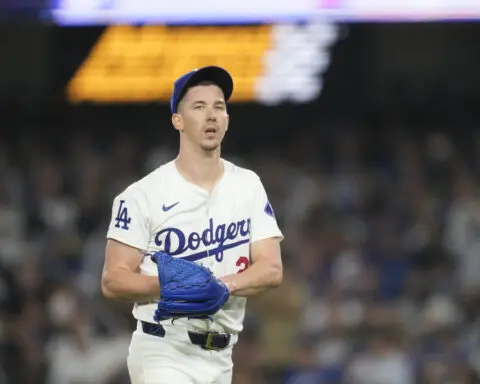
258,278
264,273
125,285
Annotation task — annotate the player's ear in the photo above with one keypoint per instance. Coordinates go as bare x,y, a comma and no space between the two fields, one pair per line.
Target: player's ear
177,122
228,122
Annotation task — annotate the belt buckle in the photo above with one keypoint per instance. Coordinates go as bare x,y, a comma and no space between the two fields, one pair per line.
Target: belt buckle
208,343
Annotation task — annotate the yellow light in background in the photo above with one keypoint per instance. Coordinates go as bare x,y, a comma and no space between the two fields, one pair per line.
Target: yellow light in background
137,64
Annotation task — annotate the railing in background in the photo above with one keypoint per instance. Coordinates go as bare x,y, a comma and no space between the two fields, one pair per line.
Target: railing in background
91,12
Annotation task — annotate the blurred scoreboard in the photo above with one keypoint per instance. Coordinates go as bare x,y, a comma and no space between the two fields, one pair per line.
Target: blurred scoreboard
140,63
277,50
131,51
270,63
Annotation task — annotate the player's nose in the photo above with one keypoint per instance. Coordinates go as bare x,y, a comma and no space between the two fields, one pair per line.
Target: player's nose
211,114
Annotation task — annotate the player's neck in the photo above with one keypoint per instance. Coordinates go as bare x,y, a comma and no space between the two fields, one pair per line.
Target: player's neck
199,168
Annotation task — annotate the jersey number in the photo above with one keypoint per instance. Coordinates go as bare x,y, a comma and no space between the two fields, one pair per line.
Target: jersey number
242,262
122,216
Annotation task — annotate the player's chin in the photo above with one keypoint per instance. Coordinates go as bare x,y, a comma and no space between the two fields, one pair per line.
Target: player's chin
210,145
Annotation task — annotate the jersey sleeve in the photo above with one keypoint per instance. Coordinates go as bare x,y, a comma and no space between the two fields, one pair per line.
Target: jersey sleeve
263,221
129,220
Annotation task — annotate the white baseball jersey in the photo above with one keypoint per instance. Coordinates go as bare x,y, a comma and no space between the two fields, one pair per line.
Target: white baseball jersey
163,211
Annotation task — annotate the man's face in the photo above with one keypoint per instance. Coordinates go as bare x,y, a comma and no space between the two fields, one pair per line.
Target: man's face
203,116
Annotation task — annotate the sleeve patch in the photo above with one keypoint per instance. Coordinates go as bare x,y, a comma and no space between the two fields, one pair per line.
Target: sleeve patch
269,210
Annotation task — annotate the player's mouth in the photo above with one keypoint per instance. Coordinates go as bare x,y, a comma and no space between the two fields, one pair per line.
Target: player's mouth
211,131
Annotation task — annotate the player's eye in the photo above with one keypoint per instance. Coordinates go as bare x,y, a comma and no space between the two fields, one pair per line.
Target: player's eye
199,107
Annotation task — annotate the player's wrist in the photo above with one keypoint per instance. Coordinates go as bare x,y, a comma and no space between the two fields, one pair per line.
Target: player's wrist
154,286
231,284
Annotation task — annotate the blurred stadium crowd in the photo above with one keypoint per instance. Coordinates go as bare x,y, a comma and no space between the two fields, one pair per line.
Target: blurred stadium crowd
382,266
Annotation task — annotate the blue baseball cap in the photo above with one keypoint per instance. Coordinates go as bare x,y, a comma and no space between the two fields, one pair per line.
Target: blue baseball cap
216,75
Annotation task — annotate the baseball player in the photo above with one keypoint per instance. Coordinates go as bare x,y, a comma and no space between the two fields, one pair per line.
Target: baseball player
193,214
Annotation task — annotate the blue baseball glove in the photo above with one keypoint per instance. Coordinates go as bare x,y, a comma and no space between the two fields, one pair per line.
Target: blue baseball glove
187,289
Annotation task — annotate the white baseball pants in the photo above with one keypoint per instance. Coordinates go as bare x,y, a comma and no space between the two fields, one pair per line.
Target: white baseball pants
173,359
